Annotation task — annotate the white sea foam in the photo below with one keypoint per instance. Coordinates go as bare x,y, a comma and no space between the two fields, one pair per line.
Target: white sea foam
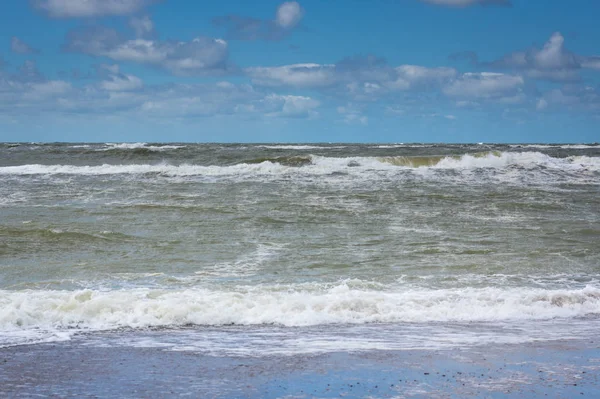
401,145
504,159
321,165
135,146
585,161
301,147
292,305
561,146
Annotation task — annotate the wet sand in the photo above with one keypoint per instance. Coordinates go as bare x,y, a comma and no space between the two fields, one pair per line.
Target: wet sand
76,369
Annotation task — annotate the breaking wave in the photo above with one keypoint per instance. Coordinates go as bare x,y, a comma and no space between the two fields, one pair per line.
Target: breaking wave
299,305
139,146
320,165
285,161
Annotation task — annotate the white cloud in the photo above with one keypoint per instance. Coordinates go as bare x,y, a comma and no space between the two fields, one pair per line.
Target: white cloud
199,100
416,73
297,75
570,97
554,55
484,85
541,104
139,50
239,27
142,26
552,62
122,95
559,97
121,82
19,46
591,62
201,55
288,14
90,8
358,77
354,118
410,76
292,106
45,90
353,115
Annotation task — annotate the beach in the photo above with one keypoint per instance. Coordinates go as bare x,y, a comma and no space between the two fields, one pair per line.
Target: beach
74,369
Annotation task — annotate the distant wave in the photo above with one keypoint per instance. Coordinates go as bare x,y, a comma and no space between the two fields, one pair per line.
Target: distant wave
495,159
300,146
319,165
138,146
561,146
286,161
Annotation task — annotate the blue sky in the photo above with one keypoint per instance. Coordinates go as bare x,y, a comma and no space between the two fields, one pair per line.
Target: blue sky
305,71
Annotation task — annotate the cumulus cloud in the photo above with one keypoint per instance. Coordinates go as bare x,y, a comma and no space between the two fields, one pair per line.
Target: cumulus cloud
288,14
116,93
29,89
287,18
199,56
485,85
142,26
121,82
554,55
40,91
370,79
296,75
571,97
290,106
466,3
20,47
552,62
89,8
410,76
362,77
353,115
199,100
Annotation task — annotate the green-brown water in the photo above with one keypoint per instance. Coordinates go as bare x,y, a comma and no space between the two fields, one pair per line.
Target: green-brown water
465,243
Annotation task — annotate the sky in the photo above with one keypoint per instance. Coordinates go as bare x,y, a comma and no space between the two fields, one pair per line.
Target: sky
395,71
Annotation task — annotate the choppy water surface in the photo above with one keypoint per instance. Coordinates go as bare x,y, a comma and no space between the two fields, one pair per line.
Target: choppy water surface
299,248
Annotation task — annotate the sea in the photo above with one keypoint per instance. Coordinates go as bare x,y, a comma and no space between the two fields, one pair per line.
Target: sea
298,249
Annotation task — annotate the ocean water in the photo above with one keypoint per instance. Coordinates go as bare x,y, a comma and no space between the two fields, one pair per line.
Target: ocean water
259,249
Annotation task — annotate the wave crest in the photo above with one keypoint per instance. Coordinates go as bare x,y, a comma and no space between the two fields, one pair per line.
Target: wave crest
320,165
286,305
